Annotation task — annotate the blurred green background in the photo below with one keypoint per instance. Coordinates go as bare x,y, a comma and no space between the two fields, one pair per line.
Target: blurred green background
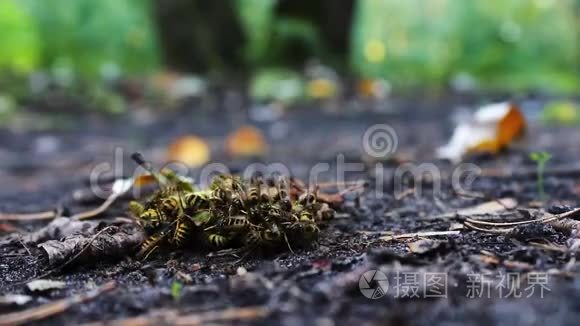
506,45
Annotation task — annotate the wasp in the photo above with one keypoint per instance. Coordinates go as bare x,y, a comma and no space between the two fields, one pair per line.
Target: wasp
151,244
217,240
254,213
239,222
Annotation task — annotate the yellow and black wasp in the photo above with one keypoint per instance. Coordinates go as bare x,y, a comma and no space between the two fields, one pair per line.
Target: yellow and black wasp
254,213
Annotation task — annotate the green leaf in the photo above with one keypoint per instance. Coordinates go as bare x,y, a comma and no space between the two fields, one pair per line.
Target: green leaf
19,38
176,288
277,84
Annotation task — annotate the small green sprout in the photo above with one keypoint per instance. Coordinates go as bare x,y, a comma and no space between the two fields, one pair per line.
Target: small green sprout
176,290
541,158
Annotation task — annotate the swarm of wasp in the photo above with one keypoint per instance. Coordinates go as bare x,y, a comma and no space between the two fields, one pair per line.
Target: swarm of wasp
260,213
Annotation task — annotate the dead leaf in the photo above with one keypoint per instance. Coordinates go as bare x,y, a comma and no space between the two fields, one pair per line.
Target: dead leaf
43,311
117,242
57,228
456,226
321,88
424,245
247,141
492,128
14,299
189,150
144,180
490,207
45,285
373,88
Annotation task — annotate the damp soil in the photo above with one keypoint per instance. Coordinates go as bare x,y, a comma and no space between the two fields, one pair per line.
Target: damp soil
316,285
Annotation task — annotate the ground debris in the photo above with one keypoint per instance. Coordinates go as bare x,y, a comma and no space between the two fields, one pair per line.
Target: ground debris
41,285
52,308
171,317
424,245
14,300
490,207
532,231
58,228
111,242
419,234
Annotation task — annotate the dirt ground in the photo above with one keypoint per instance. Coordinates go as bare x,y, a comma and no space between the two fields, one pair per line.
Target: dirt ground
318,285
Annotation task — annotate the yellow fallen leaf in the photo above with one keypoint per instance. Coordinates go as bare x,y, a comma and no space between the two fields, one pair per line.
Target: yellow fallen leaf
189,150
247,141
373,88
492,128
144,180
321,88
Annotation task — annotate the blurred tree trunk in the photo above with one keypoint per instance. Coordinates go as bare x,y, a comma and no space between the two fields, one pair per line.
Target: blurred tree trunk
332,19
203,36
198,35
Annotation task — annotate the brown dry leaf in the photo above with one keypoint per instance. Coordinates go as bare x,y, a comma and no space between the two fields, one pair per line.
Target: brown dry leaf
366,88
321,88
190,150
144,180
493,206
111,242
424,245
492,128
373,88
247,141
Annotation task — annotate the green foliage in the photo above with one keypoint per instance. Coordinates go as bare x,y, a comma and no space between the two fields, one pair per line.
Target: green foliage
91,38
511,44
541,158
124,40
394,39
176,288
277,84
7,108
19,38
257,19
269,35
561,112
500,44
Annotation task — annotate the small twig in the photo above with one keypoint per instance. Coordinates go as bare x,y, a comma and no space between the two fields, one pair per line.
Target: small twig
506,224
418,234
170,317
23,245
495,231
97,211
231,314
47,215
52,308
563,221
